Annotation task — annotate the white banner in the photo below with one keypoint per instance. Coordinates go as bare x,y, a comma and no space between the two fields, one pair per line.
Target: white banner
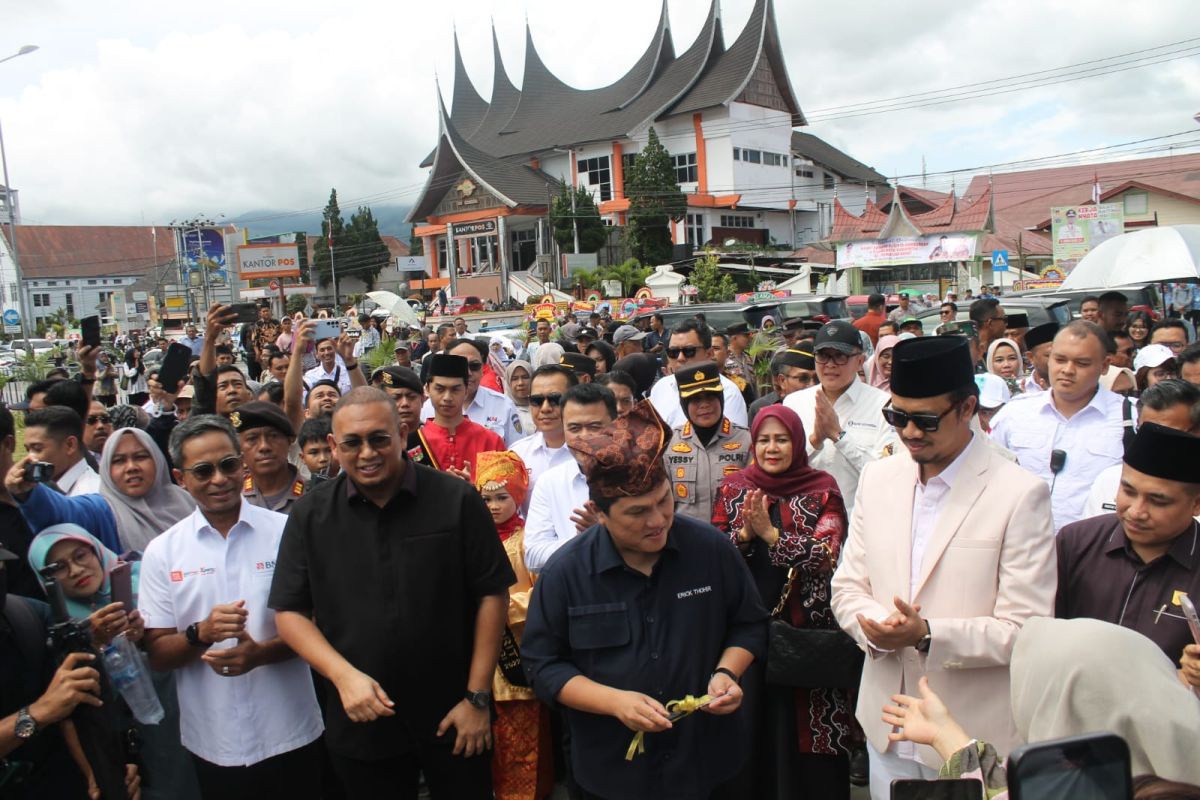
268,261
907,250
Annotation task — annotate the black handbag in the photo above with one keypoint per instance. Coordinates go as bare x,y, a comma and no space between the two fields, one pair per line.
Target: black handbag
810,658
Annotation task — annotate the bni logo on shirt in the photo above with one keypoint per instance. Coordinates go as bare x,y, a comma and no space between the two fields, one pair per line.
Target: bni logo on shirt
264,566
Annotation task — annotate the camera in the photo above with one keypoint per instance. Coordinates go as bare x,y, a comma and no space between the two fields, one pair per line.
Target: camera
39,472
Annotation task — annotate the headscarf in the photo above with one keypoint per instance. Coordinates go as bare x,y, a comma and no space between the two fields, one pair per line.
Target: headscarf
1125,685
503,469
39,554
991,351
1108,378
800,478
643,368
140,519
508,379
127,416
548,353
875,375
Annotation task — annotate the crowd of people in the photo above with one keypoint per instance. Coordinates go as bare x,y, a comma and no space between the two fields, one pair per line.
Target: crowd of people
635,561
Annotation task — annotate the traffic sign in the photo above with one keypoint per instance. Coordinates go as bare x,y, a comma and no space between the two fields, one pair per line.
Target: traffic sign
999,261
274,286
12,317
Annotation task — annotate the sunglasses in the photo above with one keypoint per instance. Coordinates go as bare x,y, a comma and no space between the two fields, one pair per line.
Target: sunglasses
95,418
929,423
204,471
539,400
378,441
476,366
687,352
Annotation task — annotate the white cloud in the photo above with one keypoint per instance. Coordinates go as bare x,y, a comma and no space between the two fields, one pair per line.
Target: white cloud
137,111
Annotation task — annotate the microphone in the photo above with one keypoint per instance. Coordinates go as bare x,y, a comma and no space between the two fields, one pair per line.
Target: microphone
1058,460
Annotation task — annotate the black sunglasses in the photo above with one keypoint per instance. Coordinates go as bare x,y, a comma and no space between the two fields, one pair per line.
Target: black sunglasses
926,422
688,352
539,400
204,471
475,366
94,418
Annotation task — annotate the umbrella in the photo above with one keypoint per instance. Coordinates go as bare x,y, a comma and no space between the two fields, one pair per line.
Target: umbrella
399,307
1152,255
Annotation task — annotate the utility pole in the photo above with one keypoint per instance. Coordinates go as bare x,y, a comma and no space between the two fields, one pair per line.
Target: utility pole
337,302
22,306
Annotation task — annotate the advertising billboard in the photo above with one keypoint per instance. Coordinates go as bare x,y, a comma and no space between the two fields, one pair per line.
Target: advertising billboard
1076,230
204,251
268,261
903,250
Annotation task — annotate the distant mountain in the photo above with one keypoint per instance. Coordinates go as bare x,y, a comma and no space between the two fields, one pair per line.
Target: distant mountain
266,222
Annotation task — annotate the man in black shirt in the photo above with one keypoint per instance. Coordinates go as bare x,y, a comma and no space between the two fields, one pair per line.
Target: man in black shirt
644,609
401,569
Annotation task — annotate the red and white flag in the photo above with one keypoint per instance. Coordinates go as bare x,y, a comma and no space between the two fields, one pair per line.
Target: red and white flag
1096,188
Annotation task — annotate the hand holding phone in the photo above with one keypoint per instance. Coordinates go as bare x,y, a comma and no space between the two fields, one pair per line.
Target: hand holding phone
120,581
1189,611
89,331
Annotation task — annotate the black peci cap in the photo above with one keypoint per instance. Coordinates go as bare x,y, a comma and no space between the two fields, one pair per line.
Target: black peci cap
929,366
1162,452
444,365
1041,334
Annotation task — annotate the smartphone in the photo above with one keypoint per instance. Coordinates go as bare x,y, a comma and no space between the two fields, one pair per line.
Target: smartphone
1189,611
244,312
120,582
940,789
174,367
89,329
327,329
1094,766
39,472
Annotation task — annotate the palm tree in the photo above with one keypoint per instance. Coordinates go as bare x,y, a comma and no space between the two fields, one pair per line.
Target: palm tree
630,274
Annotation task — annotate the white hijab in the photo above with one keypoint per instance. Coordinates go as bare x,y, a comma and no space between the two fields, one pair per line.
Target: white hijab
1076,676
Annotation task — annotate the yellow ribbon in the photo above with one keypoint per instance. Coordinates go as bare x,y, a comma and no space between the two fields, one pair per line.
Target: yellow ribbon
686,706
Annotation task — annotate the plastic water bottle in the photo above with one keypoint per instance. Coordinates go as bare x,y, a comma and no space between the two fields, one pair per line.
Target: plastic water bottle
131,677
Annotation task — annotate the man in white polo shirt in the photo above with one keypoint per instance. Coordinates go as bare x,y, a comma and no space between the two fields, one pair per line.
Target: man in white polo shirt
842,416
559,508
248,711
547,447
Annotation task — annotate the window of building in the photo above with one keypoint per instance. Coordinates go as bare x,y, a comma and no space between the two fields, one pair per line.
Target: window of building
70,305
1137,203
830,181
595,173
774,159
41,300
52,283
685,167
627,160
737,154
91,282
752,156
103,298
736,221
695,230
804,173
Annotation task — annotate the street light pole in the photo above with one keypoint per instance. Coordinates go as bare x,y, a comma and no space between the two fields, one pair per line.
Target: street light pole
22,306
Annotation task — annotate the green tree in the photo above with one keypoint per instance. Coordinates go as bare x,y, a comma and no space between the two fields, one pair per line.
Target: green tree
654,201
592,231
416,246
631,274
296,303
585,278
713,287
332,227
368,254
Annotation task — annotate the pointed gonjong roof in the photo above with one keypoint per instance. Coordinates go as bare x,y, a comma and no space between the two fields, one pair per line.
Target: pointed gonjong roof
512,183
546,112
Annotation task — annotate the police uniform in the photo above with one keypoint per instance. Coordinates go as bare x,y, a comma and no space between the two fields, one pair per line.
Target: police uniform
739,365
259,414
696,469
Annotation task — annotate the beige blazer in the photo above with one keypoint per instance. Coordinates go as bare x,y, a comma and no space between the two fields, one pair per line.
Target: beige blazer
989,566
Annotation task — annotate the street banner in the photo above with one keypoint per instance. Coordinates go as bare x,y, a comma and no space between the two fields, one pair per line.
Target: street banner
204,251
902,250
1077,230
268,261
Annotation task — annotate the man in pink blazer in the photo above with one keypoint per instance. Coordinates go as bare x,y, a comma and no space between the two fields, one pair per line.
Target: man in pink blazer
950,550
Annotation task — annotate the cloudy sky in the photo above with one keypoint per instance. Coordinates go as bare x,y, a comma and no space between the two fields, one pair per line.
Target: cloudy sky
135,111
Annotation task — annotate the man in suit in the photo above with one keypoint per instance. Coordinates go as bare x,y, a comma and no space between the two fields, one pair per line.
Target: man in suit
950,550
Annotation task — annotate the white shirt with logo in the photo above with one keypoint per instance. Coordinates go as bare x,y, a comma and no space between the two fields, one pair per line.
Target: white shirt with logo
240,720
493,411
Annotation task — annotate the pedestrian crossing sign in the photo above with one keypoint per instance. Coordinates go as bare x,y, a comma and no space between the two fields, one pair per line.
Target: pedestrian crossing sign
999,261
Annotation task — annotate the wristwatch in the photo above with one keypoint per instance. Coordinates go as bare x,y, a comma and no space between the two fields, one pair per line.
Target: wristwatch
480,700
922,646
26,727
193,635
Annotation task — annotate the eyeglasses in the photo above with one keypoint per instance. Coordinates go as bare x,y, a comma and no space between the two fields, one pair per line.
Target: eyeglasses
929,423
1175,347
476,366
687,352
95,418
205,471
81,557
539,400
835,357
378,442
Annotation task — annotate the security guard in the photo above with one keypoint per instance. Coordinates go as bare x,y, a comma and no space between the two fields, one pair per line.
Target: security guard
266,434
738,362
707,447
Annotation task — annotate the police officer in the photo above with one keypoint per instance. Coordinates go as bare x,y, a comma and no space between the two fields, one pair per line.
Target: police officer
738,362
266,435
707,447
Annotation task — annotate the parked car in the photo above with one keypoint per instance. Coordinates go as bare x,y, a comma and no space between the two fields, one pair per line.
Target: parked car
462,304
832,306
718,315
1039,310
1147,296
